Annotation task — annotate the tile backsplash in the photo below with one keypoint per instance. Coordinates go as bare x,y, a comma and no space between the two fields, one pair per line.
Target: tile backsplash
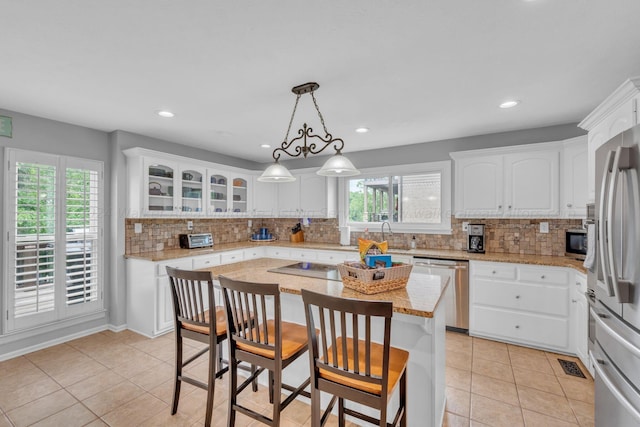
513,236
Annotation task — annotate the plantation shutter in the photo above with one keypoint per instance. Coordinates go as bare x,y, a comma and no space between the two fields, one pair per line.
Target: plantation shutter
54,236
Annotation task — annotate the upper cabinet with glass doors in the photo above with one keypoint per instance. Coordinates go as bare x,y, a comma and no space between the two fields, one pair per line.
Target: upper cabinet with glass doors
165,185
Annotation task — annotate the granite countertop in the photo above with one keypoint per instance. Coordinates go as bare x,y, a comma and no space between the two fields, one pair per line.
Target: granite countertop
420,297
554,261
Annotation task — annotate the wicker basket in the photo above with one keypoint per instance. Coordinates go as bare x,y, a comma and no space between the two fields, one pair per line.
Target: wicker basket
374,281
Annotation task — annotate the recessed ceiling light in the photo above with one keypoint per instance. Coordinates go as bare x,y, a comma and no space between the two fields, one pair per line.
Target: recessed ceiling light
165,113
509,104
265,146
362,130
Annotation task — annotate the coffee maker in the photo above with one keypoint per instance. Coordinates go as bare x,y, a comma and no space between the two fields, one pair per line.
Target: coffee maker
475,238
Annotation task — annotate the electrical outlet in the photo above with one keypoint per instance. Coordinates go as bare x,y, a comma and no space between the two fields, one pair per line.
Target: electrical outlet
544,227
249,223
189,225
137,228
465,226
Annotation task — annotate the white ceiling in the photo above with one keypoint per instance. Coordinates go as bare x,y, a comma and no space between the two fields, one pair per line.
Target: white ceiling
411,70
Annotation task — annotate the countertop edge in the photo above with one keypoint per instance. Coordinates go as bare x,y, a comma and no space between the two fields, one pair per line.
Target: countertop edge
546,260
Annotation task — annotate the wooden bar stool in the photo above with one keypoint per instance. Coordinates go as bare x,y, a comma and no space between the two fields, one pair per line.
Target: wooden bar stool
351,368
268,343
193,303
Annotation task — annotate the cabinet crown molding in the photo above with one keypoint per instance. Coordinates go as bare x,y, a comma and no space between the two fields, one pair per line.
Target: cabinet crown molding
625,92
541,146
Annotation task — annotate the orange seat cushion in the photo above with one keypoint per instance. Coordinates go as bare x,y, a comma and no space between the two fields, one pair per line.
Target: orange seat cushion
221,323
294,338
397,364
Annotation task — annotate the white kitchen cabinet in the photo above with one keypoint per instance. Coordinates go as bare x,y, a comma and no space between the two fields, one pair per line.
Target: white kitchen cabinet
336,257
479,187
253,253
514,182
580,319
617,113
532,184
277,252
574,178
522,304
149,304
309,196
265,199
167,185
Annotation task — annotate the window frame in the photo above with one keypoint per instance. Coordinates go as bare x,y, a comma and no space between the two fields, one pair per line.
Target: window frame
443,167
61,311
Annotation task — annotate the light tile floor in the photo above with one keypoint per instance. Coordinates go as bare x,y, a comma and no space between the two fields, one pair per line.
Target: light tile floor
124,379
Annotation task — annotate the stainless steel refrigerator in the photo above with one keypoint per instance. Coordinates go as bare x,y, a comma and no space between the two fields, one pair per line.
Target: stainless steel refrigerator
615,281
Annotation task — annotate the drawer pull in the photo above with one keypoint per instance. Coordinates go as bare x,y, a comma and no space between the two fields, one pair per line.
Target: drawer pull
517,296
517,326
542,277
493,272
574,300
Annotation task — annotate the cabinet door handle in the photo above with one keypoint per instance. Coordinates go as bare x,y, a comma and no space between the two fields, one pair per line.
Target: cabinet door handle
517,326
542,277
574,300
493,272
517,296
499,206
569,205
509,206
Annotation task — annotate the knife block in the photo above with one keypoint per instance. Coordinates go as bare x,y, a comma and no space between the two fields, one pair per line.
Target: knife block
297,237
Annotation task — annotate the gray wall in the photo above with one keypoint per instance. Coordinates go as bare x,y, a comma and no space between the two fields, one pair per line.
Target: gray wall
439,150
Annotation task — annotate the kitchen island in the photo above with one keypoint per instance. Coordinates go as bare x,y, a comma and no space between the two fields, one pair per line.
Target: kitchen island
417,326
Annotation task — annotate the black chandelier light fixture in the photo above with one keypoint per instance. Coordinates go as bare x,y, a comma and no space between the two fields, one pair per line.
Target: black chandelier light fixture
308,143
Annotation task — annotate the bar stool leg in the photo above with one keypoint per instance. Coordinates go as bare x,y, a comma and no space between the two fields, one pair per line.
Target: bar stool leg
233,385
213,362
403,398
178,373
316,413
277,397
270,386
341,422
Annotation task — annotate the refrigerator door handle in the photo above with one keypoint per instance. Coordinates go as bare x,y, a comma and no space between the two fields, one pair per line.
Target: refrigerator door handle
596,362
621,163
635,351
602,228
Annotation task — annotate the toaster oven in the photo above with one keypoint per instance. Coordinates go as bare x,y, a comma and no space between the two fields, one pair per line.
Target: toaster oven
576,244
191,241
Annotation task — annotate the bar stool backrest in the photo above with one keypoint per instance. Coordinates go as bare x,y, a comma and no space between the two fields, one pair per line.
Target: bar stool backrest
192,296
256,305
344,346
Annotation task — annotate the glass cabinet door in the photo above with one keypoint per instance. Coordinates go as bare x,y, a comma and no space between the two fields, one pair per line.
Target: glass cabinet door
218,194
192,189
239,195
160,188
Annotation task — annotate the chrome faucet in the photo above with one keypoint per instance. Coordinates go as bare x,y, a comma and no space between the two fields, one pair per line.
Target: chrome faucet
388,225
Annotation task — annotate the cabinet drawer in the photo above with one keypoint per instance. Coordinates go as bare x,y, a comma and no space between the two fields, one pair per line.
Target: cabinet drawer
495,271
275,252
304,255
553,300
539,331
230,257
253,253
546,276
182,263
335,257
206,261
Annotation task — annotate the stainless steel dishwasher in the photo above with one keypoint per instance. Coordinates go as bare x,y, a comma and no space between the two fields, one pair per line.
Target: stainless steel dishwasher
456,297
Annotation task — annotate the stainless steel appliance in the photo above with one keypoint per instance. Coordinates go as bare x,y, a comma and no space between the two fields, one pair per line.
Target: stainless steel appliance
310,269
615,281
456,297
192,241
575,243
475,238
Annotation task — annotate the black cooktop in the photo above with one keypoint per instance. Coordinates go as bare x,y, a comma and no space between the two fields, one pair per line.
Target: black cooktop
310,269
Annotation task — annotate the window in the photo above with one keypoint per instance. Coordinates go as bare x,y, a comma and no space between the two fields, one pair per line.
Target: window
54,224
413,197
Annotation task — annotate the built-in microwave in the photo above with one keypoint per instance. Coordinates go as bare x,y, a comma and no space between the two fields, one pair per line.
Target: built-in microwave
576,243
191,241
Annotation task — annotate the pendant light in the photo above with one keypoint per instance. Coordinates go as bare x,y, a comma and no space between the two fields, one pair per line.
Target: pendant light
337,165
